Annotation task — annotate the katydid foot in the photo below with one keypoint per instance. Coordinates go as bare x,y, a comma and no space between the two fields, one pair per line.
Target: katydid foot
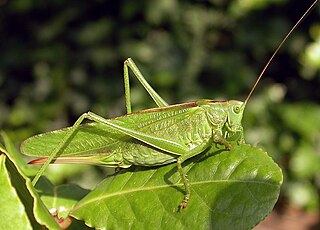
184,203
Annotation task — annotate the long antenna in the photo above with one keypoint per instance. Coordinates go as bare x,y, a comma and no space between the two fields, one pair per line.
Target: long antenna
276,51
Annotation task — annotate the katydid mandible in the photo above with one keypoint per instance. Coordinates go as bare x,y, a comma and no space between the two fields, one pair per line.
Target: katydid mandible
146,137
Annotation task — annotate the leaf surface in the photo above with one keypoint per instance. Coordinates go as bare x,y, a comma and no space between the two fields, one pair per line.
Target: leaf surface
12,210
235,189
62,197
21,205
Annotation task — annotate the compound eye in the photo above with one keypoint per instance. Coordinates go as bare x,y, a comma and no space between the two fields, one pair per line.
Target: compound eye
236,109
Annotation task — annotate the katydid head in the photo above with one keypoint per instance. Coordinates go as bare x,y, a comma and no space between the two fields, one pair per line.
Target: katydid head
225,117
235,114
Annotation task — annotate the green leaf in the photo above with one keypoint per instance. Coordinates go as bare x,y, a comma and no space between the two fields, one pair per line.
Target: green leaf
20,204
60,200
62,197
30,204
12,210
235,189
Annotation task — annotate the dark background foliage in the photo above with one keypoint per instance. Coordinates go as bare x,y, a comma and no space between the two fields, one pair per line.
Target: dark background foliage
60,59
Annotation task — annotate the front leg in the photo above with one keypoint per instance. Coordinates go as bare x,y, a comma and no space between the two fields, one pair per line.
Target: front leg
235,134
220,140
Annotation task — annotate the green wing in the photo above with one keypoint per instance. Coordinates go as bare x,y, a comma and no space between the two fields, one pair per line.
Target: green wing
91,138
185,124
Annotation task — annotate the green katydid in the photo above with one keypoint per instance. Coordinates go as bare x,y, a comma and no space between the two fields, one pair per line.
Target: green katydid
152,137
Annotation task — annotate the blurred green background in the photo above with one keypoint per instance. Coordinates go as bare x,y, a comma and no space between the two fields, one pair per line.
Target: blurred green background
60,59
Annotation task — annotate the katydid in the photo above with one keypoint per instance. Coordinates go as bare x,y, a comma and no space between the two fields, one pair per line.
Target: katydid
152,137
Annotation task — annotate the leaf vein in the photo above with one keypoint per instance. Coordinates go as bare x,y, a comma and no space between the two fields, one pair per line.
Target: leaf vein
171,185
